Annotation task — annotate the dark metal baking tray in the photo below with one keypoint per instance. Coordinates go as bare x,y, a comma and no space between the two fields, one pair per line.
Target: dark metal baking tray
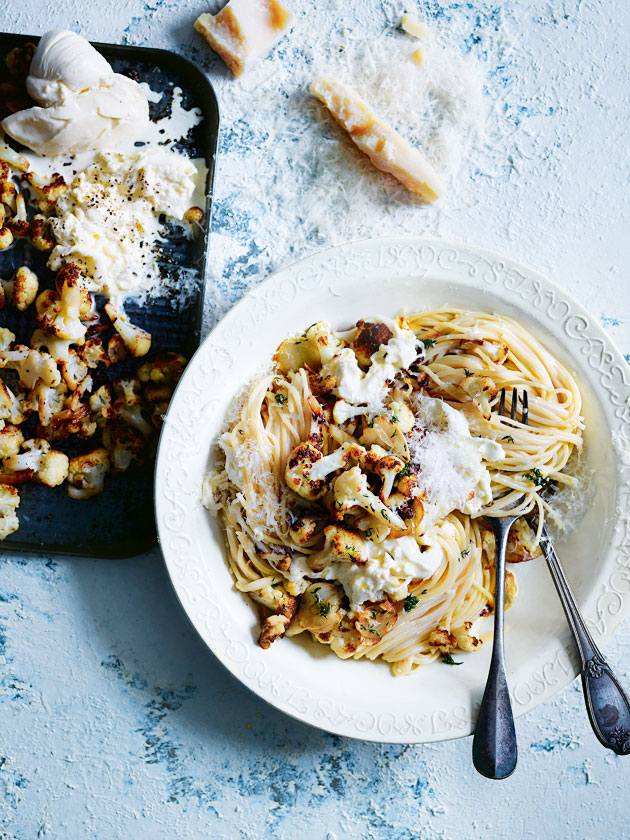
120,522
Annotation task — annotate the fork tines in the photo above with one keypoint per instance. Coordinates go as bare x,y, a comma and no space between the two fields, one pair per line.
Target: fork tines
514,408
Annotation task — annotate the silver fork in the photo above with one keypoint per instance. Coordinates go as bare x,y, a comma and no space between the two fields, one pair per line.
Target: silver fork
494,743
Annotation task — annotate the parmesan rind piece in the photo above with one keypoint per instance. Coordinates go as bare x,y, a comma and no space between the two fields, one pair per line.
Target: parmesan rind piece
414,27
386,149
244,30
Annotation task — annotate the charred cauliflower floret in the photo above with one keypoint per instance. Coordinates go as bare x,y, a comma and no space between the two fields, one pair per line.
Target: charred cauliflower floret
59,348
18,224
464,638
383,432
369,339
49,400
6,338
374,619
11,439
41,233
341,545
9,502
193,215
351,490
60,314
22,290
128,405
49,466
298,472
283,608
441,640
137,341
510,589
48,191
6,237
320,609
125,446
164,369
13,407
93,353
481,390
73,370
31,366
86,474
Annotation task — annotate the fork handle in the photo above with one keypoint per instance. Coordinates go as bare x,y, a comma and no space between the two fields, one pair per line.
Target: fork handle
494,742
607,704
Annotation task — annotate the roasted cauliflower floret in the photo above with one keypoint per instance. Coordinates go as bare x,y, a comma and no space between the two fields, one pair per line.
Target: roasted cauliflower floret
383,432
47,465
31,366
41,233
22,290
283,607
73,370
86,474
481,390
193,215
320,609
18,224
59,348
510,589
304,527
48,191
128,406
101,402
369,339
374,619
351,490
49,400
521,545
442,640
298,472
13,407
464,638
93,353
341,545
401,415
125,446
6,237
9,502
6,338
273,627
11,439
137,341
61,314
164,369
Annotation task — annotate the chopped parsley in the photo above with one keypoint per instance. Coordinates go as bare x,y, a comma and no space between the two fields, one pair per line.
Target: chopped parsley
447,659
424,591
509,438
465,552
405,470
429,342
467,372
410,602
385,515
536,477
280,399
371,423
323,608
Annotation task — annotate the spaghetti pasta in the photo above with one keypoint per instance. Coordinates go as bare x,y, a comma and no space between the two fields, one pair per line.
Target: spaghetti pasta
353,485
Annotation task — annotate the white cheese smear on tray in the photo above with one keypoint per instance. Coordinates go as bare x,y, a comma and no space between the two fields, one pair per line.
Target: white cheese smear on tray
122,170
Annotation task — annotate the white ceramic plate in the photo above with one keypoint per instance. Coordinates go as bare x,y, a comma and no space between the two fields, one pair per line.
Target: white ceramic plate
361,699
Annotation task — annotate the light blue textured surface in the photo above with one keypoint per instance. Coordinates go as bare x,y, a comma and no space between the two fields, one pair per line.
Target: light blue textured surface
114,719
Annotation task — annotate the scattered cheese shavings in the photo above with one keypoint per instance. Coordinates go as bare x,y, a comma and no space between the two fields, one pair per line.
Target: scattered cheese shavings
417,56
244,30
386,149
414,27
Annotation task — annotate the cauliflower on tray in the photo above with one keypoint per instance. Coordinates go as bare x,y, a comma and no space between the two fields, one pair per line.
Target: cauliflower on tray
62,385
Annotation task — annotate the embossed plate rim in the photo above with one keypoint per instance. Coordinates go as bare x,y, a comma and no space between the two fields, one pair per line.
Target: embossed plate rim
194,556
